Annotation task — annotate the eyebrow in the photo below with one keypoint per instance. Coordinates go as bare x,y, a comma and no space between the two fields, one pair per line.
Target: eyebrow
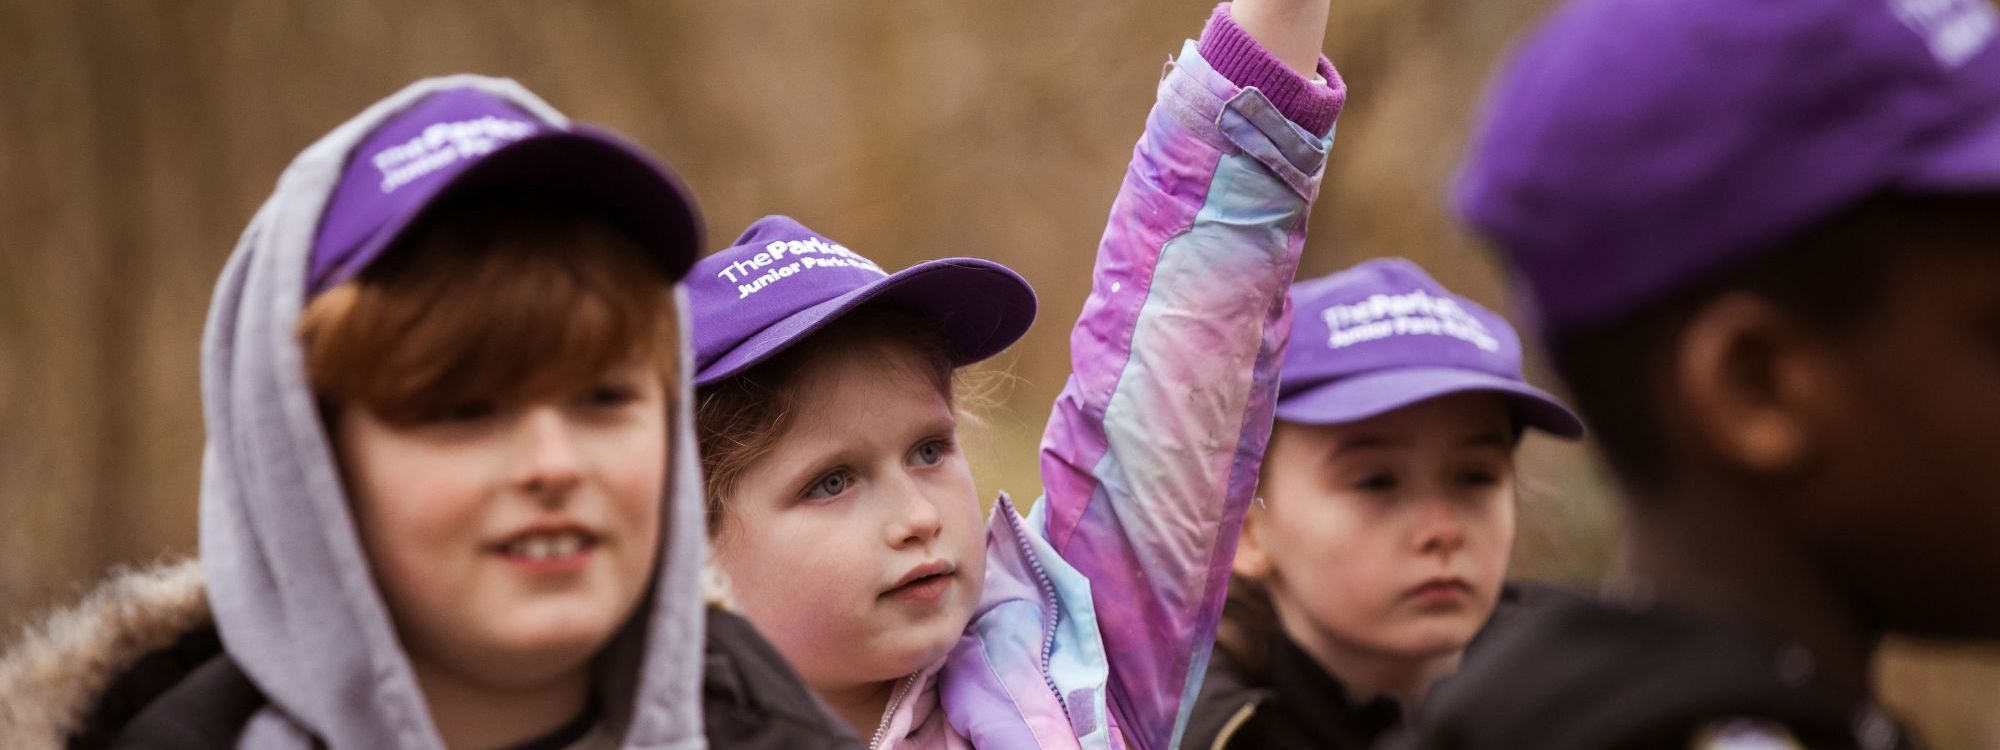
1365,442
833,450
1361,443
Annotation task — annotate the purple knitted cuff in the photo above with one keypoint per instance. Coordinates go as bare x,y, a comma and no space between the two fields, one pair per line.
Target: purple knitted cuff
1238,57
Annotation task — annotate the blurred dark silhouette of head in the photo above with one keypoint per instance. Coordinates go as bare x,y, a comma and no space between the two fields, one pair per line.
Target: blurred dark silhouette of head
1842,392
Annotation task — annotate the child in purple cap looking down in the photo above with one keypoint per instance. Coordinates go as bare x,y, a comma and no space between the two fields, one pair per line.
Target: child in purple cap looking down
450,497
1761,241
1381,544
842,511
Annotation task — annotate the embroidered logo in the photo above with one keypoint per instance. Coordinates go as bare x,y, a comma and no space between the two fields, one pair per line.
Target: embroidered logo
444,144
1417,313
758,272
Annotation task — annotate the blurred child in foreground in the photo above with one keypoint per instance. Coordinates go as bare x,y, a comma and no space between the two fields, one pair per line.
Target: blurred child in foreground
1762,240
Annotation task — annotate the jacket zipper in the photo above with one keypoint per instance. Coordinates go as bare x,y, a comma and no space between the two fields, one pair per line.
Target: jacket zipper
1049,605
889,711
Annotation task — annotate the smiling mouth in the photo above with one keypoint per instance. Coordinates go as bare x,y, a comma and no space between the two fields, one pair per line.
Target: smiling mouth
547,546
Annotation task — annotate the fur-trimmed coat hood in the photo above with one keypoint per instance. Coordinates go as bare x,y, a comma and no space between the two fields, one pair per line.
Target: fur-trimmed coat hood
56,676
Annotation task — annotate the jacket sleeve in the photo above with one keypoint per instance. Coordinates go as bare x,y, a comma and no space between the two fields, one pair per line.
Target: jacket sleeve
1152,450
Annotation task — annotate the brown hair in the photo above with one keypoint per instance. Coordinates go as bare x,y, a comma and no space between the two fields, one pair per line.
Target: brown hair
738,420
1249,620
505,297
1249,625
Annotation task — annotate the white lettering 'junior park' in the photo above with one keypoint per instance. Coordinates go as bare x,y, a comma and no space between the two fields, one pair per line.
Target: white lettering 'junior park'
753,274
1417,313
443,144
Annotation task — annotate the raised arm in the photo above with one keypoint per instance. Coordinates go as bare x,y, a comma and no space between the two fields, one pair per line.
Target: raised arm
1290,29
1152,450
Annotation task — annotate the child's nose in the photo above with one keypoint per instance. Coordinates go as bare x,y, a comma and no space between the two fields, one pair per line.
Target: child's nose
1441,531
917,519
549,466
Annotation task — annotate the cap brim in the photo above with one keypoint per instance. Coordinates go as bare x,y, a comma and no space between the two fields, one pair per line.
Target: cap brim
593,166
1359,397
982,308
1967,161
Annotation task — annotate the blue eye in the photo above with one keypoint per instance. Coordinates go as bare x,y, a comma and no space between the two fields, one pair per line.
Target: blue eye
931,452
830,484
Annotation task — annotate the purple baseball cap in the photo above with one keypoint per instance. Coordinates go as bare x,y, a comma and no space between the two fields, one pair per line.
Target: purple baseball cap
465,139
780,282
1384,335
1633,147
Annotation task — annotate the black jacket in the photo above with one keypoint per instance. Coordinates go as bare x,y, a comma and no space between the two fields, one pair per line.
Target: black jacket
1297,704
191,696
1586,675
138,666
1299,707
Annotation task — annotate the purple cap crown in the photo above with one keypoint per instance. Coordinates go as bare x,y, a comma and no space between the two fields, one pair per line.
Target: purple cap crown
1633,147
464,139
1383,335
781,282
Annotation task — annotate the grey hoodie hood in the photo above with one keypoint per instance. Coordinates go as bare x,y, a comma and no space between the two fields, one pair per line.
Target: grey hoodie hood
290,586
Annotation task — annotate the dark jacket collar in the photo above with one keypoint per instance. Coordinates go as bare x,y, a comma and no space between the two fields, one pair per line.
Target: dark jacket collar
1583,674
1317,708
1296,704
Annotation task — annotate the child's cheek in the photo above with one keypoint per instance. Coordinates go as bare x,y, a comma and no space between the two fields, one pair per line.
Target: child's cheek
415,499
1368,566
631,464
789,556
808,587
635,474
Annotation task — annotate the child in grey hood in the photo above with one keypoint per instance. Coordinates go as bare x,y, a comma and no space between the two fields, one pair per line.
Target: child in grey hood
450,496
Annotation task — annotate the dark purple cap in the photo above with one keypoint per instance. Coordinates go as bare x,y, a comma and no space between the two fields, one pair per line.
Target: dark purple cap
465,139
1383,335
1634,147
780,282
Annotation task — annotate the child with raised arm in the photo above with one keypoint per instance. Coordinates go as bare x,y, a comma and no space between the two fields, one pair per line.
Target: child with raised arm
842,510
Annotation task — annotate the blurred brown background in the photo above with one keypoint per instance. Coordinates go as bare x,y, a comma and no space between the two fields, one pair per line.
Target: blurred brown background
136,139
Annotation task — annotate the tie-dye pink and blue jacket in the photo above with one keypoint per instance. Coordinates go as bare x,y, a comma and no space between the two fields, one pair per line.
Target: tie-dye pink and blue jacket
1101,604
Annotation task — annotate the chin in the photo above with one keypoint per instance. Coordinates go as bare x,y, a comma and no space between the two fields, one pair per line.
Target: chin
558,631
1437,636
925,643
524,660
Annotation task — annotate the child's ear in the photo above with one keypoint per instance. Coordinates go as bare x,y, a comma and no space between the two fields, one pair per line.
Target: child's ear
1251,561
1753,380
